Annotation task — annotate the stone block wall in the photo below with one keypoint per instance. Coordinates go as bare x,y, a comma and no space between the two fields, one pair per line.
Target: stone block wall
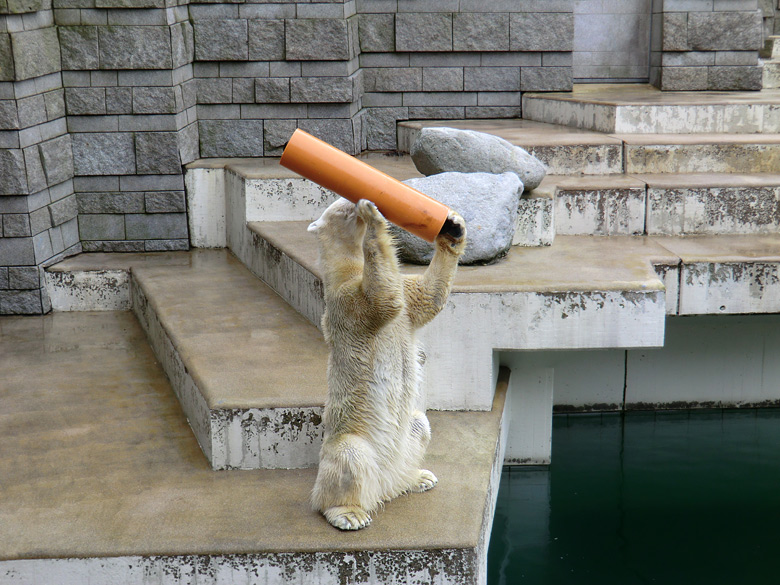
130,101
466,59
264,69
706,44
38,207
611,40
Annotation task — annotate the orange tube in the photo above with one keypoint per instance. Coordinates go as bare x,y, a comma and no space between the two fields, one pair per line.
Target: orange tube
353,179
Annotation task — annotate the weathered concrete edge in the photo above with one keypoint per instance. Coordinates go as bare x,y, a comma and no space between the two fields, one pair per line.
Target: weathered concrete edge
435,566
245,438
187,392
88,290
501,403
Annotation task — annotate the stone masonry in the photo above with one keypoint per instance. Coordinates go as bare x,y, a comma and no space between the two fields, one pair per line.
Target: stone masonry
467,59
706,44
38,207
130,97
102,102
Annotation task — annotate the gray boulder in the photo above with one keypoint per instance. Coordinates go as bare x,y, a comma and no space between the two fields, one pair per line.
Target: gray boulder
488,203
439,150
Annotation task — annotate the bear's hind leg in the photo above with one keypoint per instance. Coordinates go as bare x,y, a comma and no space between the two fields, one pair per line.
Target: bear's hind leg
421,436
347,487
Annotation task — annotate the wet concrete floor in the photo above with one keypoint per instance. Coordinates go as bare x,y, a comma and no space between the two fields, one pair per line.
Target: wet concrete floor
97,459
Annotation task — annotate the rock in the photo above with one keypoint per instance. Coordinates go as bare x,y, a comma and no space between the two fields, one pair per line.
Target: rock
486,201
439,150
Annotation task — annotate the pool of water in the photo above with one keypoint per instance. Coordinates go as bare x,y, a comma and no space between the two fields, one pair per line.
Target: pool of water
667,497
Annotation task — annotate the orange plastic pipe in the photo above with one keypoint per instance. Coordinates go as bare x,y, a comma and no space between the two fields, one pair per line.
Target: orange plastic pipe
353,179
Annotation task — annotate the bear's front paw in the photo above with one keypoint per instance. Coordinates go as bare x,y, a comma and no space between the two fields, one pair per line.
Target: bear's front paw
347,517
453,234
368,212
425,481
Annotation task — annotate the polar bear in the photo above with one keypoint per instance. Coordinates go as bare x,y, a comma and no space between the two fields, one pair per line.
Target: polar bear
375,438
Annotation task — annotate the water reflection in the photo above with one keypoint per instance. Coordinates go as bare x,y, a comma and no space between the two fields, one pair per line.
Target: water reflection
667,497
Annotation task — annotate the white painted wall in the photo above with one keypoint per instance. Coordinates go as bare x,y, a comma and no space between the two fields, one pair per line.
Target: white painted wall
724,360
707,360
206,206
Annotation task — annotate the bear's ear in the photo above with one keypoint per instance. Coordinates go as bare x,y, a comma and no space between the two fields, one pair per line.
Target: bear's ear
313,226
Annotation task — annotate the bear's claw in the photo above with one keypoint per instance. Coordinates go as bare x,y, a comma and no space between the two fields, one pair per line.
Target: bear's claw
348,517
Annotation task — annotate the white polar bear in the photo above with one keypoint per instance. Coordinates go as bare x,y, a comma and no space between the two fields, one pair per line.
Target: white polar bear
375,439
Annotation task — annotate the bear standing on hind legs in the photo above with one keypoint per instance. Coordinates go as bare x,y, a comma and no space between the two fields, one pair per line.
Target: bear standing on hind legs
375,438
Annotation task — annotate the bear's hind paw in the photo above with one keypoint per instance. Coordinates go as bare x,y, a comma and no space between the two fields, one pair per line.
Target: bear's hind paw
347,517
425,482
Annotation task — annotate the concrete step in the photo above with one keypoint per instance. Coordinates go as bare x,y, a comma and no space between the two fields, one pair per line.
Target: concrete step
770,72
577,293
270,192
701,153
727,275
712,204
635,204
573,293
665,204
103,482
642,109
609,205
248,370
569,151
771,49
562,149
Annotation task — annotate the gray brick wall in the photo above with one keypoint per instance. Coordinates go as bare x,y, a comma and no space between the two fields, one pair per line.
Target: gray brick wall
264,69
707,45
38,212
130,99
458,59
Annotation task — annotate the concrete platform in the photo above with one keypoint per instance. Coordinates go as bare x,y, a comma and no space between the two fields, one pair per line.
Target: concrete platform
641,108
577,293
102,481
247,368
564,150
701,153
664,204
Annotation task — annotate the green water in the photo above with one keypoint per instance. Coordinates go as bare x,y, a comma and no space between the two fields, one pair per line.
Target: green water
668,497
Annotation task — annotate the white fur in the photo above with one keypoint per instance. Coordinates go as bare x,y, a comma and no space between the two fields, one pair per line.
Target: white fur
374,440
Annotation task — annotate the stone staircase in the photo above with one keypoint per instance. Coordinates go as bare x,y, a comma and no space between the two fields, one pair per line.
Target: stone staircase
654,205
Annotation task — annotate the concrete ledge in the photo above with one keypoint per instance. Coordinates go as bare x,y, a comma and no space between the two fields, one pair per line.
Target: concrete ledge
572,151
665,204
644,109
578,293
217,331
712,204
248,371
728,274
100,281
562,149
271,192
103,482
701,153
612,205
